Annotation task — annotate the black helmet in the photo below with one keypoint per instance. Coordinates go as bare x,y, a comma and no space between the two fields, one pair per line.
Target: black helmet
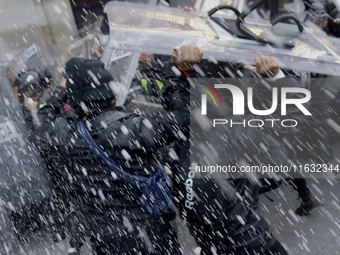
30,81
87,81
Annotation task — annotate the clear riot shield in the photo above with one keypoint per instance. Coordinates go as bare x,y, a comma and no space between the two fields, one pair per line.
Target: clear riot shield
207,5
24,181
30,53
122,65
156,29
295,6
90,42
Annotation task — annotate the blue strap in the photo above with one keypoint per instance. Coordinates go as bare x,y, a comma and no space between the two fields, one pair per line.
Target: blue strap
136,180
156,194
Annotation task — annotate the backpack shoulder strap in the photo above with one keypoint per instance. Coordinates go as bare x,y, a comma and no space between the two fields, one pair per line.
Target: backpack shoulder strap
136,180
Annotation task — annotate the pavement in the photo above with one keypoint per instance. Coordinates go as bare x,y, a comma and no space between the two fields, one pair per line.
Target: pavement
315,234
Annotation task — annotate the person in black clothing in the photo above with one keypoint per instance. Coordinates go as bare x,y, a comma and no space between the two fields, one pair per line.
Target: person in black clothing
147,84
31,87
117,223
237,228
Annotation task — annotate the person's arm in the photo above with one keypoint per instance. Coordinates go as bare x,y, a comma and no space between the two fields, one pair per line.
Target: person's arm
97,51
53,108
186,57
266,67
168,127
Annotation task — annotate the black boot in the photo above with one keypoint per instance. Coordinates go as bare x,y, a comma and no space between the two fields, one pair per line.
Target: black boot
308,203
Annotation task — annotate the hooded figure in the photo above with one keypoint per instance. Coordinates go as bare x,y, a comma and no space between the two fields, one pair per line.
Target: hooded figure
110,206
